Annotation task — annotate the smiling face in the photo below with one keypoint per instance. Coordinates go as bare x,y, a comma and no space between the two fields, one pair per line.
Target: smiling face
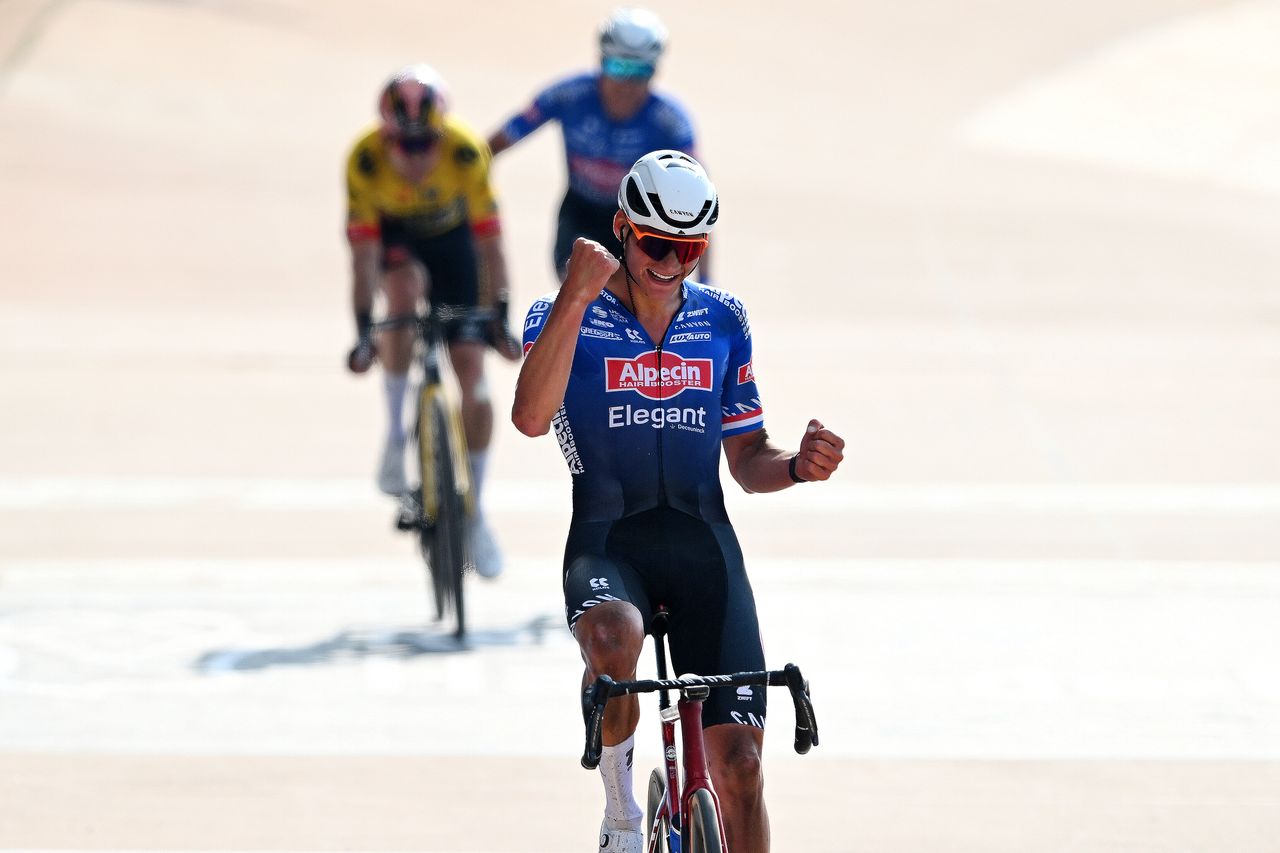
658,278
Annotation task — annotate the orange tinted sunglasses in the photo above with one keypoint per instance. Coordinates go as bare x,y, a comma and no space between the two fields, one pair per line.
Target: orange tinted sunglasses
657,246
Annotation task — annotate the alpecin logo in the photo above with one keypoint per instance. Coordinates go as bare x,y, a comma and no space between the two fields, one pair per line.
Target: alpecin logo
644,375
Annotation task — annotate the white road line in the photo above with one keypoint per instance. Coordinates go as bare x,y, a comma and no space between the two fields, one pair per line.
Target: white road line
319,494
105,575
912,658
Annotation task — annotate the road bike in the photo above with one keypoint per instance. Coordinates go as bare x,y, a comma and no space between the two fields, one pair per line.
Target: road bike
439,507
687,819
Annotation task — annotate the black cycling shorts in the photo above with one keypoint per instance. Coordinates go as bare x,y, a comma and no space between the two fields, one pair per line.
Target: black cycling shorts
581,218
452,272
694,569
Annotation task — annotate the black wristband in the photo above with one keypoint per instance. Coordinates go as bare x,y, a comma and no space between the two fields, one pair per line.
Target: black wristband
791,469
364,322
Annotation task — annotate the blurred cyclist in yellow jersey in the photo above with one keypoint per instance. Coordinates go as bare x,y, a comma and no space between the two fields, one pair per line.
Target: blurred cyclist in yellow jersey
422,220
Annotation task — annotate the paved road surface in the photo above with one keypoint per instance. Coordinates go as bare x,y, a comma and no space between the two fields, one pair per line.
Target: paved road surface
1022,256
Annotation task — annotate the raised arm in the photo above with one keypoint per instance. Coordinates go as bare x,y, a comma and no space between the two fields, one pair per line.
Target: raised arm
544,376
546,105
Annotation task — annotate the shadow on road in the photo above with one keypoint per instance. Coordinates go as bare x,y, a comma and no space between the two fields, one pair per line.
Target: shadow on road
360,643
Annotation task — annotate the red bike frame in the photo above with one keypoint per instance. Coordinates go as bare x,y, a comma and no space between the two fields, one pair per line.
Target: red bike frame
677,802
675,806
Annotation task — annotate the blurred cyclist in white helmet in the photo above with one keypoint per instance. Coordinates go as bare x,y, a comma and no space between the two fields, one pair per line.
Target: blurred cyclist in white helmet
610,116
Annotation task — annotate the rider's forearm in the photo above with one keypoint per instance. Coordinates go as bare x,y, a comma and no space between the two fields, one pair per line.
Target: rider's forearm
544,376
767,472
364,278
493,270
761,466
498,143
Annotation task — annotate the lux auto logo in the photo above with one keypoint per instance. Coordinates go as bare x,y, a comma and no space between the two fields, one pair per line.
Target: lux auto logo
657,380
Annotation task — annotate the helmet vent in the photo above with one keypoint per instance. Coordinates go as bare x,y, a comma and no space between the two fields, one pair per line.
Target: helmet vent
635,199
668,192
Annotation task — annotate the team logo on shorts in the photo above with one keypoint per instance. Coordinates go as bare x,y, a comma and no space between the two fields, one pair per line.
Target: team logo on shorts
657,381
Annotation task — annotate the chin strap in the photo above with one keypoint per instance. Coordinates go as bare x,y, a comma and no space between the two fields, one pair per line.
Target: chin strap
622,259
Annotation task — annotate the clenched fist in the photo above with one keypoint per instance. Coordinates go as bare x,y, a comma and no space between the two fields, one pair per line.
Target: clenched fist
589,268
821,452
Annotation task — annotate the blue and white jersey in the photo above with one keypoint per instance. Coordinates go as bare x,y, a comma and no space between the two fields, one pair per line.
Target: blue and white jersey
598,150
642,420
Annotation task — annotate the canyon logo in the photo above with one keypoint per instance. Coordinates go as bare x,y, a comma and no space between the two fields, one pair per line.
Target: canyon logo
644,375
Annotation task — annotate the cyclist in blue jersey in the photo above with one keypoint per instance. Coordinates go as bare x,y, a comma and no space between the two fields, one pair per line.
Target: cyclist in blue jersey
609,119
645,375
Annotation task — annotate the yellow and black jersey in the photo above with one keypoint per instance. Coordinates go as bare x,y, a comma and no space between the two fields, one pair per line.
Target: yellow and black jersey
456,191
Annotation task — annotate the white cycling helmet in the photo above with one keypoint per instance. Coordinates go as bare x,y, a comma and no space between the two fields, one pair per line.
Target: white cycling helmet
668,192
634,34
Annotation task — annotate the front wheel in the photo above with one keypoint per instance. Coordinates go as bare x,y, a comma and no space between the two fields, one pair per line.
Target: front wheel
655,826
444,540
703,831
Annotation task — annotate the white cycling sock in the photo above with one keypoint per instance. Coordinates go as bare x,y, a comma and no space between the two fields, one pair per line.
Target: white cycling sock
479,461
395,384
621,811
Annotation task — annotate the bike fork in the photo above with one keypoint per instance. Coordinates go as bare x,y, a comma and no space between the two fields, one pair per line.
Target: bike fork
670,794
696,775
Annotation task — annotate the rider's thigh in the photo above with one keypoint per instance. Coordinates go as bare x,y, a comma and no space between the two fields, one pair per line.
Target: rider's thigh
592,580
403,284
611,621
611,636
468,362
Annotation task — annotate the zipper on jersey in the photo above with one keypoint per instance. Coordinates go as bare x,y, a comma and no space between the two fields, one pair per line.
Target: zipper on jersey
662,464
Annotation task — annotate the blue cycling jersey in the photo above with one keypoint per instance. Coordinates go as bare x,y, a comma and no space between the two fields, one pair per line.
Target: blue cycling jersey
600,151
642,420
